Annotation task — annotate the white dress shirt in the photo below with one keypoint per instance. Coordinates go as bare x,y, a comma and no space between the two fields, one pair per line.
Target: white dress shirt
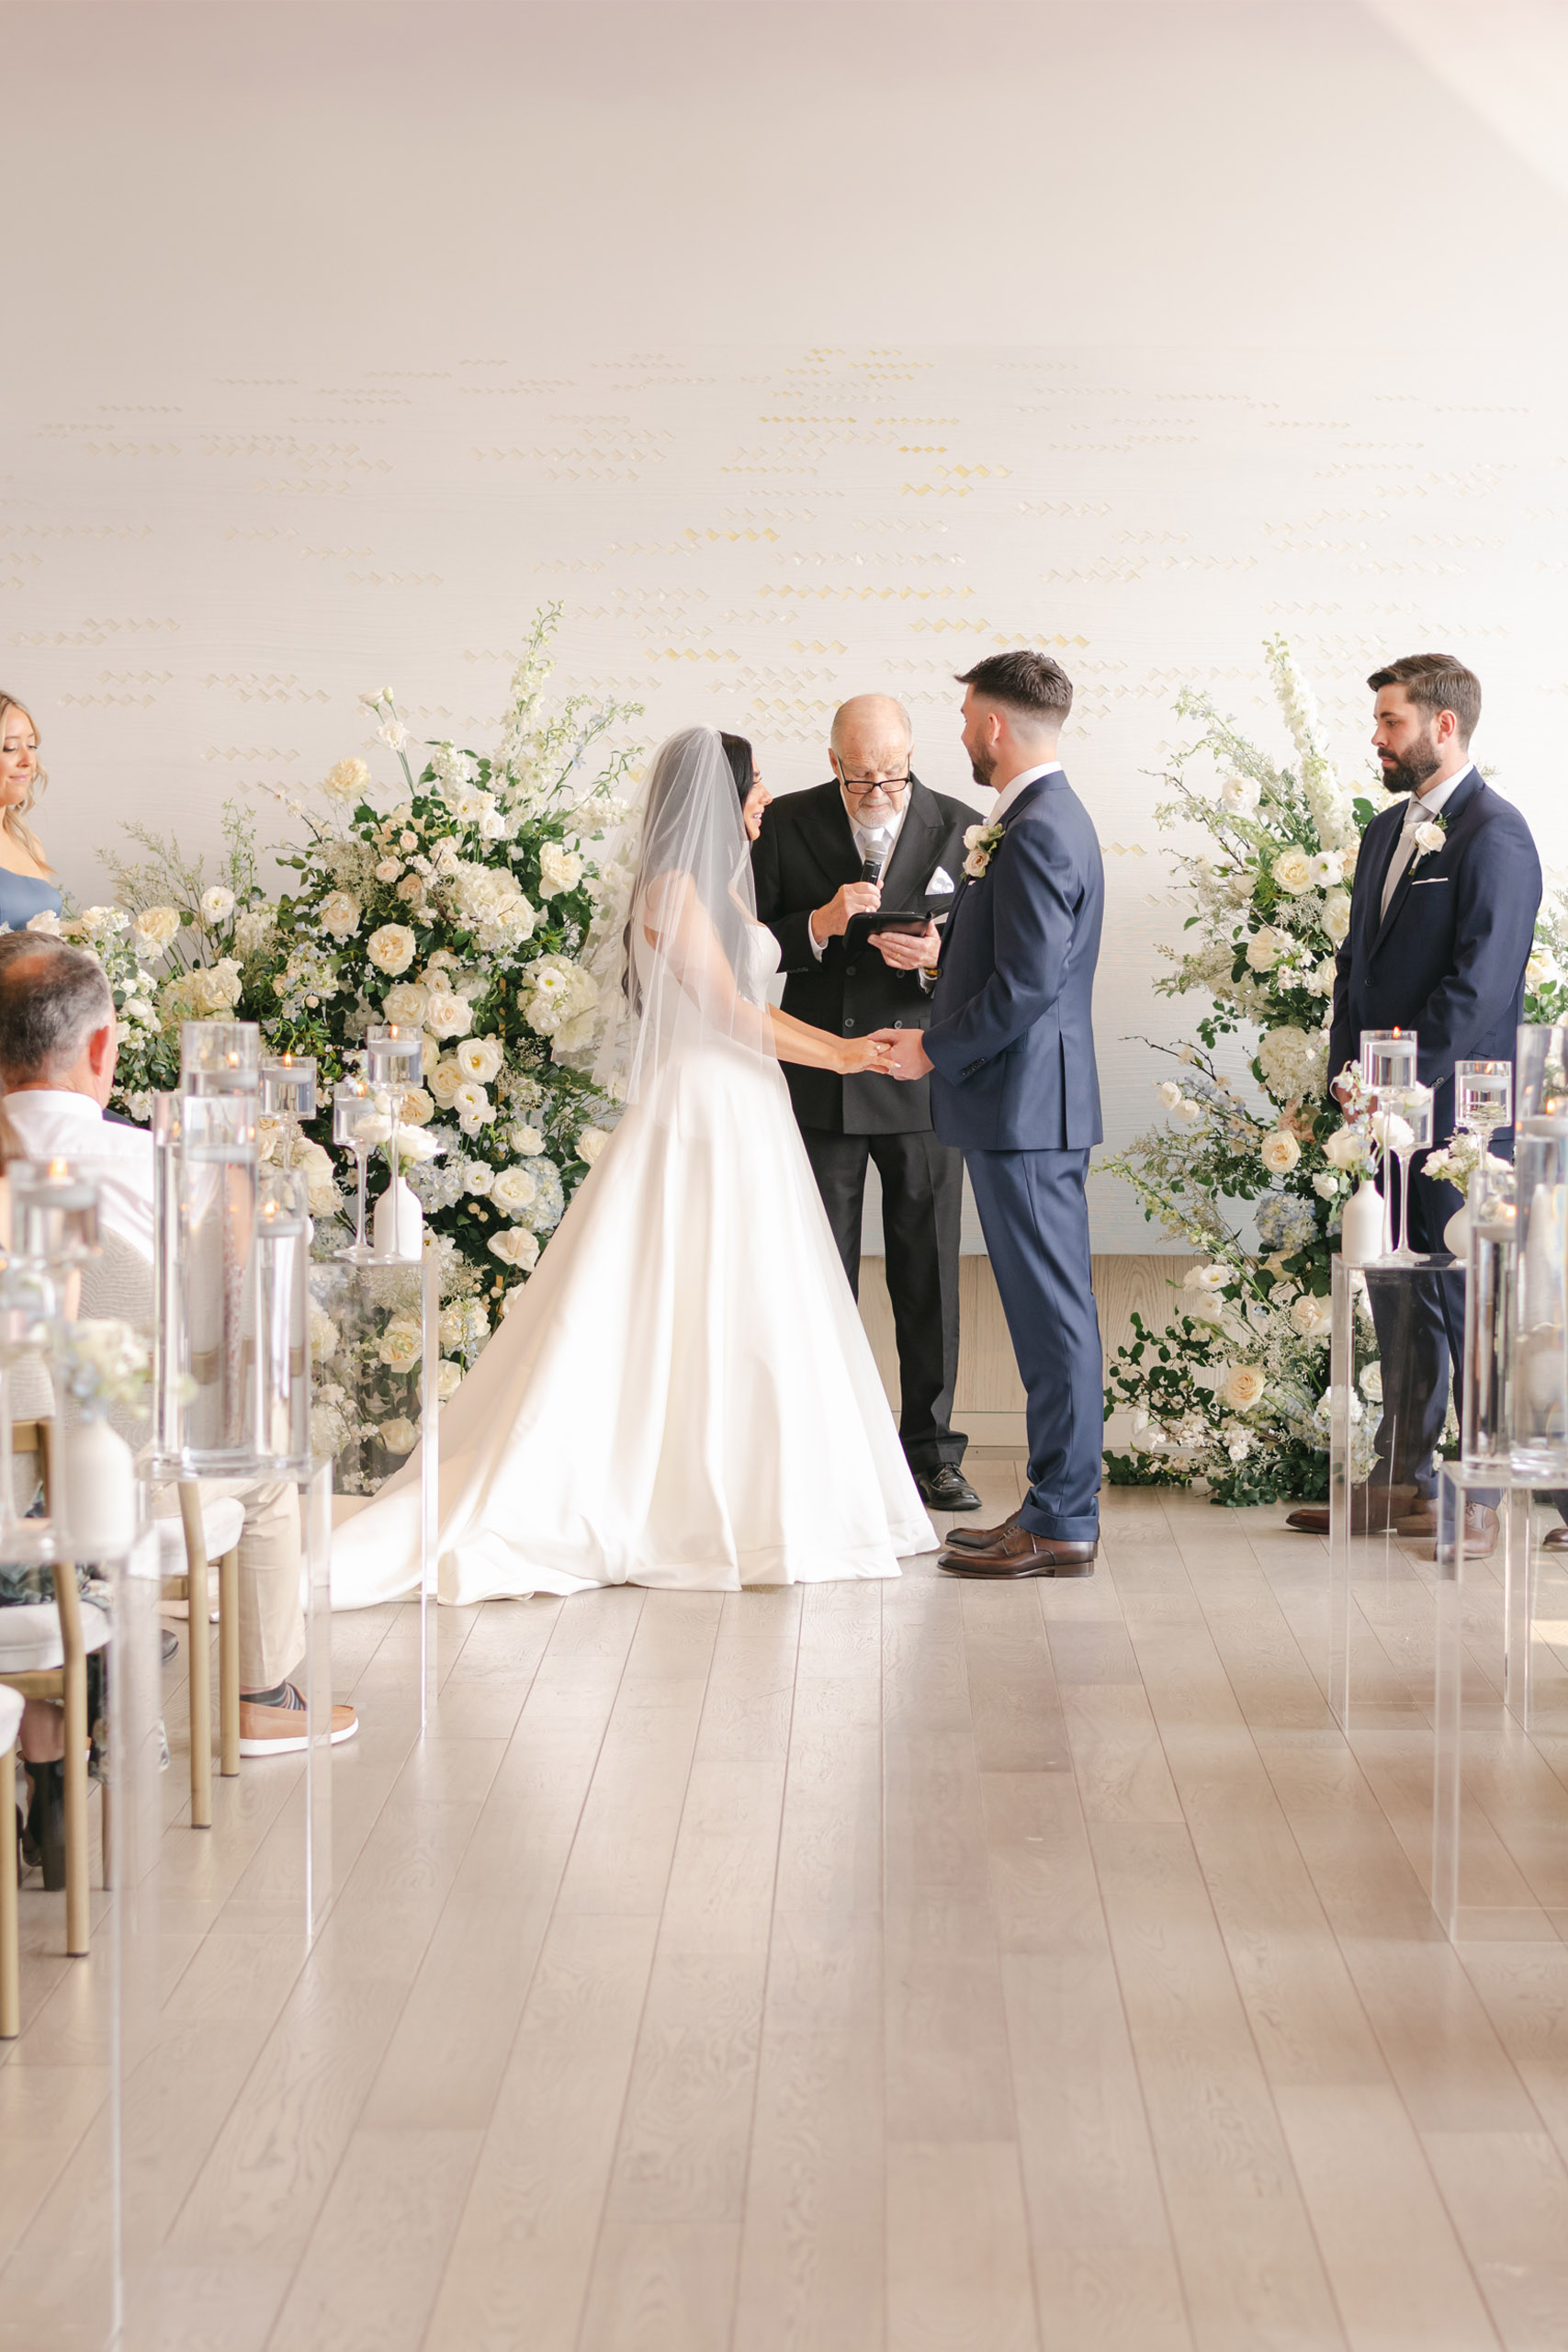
1010,792
53,1123
864,836
1419,809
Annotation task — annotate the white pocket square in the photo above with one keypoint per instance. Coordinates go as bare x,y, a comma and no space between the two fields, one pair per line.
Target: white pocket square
940,884
1430,881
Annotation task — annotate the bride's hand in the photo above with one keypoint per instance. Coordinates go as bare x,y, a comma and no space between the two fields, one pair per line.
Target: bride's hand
858,1054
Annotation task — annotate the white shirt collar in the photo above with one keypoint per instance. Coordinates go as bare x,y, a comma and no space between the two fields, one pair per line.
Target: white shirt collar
58,1102
1418,810
863,832
1010,793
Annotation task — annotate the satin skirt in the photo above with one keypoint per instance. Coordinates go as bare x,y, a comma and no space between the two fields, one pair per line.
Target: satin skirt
682,1396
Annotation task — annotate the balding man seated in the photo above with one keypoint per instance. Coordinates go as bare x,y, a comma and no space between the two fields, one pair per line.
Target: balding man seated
58,1051
874,837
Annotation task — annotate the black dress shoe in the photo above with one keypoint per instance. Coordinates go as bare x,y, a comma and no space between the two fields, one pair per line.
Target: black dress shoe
46,1822
947,1489
1020,1553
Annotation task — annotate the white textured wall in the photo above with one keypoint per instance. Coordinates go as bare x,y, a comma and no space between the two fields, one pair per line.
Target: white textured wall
800,350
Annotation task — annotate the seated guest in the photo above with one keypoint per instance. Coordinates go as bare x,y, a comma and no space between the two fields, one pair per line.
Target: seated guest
57,1064
27,881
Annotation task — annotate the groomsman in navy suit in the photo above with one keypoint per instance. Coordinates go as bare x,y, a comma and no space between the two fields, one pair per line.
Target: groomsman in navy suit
1010,1053
1438,939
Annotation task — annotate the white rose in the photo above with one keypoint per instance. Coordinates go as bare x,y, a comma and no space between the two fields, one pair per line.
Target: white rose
217,904
560,869
1169,1092
514,1190
1336,915
392,949
393,733
1326,1184
1311,1317
401,1343
157,927
1243,1387
324,1335
418,1108
590,1143
399,1435
1292,871
341,914
388,869
446,1015
1279,1151
1210,1277
1395,1133
474,1108
349,781
1324,869
1265,946
1187,1112
1346,1148
448,1380
252,930
480,1057
96,921
515,1247
445,1080
478,1176
1429,836
406,1002
1240,795
410,890
527,1141
47,922
1371,1383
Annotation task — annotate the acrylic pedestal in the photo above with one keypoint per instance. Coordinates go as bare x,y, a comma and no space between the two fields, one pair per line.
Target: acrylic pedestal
1500,1709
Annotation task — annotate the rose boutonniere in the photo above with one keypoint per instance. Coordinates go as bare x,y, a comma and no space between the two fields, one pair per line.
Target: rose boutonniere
979,842
1430,837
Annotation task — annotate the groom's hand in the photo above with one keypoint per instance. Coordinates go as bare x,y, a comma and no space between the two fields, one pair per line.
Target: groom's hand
908,951
906,1052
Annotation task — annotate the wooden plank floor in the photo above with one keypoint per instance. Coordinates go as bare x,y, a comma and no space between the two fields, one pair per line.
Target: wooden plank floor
865,1968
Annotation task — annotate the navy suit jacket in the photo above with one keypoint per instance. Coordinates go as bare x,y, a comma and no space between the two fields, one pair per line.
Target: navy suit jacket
1448,960
1011,1036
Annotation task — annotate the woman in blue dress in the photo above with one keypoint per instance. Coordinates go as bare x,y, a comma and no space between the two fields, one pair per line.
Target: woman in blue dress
27,886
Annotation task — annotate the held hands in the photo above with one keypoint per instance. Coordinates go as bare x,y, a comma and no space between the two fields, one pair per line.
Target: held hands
908,951
832,920
906,1052
858,1055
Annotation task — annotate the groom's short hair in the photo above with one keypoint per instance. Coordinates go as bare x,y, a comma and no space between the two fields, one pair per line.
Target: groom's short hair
1026,682
1436,682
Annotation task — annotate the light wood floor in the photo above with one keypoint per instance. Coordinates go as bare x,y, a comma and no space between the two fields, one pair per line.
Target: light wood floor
871,1968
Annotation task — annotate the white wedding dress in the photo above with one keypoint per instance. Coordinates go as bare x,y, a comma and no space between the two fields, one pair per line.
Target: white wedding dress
682,1396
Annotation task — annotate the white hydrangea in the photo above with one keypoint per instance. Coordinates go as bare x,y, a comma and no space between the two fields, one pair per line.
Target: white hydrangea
1291,1060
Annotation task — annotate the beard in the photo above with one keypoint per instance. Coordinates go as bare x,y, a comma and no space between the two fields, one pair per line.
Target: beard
982,765
1418,766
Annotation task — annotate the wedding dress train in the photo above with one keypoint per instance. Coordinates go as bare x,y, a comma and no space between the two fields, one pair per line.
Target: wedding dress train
683,1394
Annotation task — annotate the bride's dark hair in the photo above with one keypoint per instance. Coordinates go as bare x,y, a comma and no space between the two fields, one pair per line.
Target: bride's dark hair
742,763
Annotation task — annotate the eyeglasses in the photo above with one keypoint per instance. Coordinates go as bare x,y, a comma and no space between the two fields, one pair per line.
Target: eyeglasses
860,787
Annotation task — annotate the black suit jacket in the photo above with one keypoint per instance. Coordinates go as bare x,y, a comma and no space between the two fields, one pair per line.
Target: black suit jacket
806,850
1448,960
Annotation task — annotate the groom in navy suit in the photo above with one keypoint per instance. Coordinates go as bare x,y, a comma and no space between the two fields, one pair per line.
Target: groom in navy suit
1010,1050
1440,931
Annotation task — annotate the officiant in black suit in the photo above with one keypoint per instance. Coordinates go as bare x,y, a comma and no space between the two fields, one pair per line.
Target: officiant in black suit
875,838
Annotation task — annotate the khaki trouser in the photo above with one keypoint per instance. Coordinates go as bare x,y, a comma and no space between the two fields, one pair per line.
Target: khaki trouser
272,1627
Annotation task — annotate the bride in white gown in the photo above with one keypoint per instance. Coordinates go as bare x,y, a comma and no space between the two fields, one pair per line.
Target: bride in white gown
683,1394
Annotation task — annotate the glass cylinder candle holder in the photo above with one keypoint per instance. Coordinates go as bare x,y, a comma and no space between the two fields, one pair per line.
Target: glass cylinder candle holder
1489,1305
218,1160
394,1059
29,1308
55,1214
289,1087
1539,1386
1388,1058
219,1057
1484,1096
280,1317
359,1124
168,1359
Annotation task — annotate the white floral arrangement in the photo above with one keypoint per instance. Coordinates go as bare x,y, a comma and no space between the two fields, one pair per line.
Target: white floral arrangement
104,1363
1233,1394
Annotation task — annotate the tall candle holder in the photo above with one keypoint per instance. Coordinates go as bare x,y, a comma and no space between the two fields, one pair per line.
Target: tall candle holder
358,1123
280,1392
1539,1389
394,1056
288,1092
218,1166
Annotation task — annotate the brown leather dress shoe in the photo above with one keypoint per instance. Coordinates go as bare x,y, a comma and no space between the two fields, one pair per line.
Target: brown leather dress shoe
1554,1540
1016,1553
1373,1510
980,1539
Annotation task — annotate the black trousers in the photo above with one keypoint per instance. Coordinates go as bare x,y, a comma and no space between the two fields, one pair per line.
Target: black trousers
923,1202
1420,1327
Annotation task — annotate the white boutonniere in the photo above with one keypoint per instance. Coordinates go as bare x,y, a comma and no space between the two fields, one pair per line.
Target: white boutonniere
1428,837
979,842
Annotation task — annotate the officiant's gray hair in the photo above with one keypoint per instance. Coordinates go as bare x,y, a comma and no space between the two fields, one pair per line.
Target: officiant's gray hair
52,997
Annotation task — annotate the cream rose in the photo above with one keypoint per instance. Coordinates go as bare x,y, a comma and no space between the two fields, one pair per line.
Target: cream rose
448,1380
527,1142
481,1058
1169,1092
1336,914
1279,1151
1346,1148
1187,1112
398,1435
157,927
446,1015
474,1108
392,949
1239,795
560,869
1265,946
1430,837
445,1080
1292,871
418,1108
217,904
514,1190
1311,1317
341,915
401,1343
1243,1387
406,1002
349,781
515,1247
590,1143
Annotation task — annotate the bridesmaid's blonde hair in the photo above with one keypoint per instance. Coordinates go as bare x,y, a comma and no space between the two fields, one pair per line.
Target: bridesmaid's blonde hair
15,820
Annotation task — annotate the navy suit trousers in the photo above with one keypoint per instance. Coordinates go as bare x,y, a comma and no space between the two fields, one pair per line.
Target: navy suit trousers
1420,1327
1035,1216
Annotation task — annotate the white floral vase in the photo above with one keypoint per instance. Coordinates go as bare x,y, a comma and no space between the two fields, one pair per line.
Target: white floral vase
1360,1230
1456,1233
100,1490
405,1238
